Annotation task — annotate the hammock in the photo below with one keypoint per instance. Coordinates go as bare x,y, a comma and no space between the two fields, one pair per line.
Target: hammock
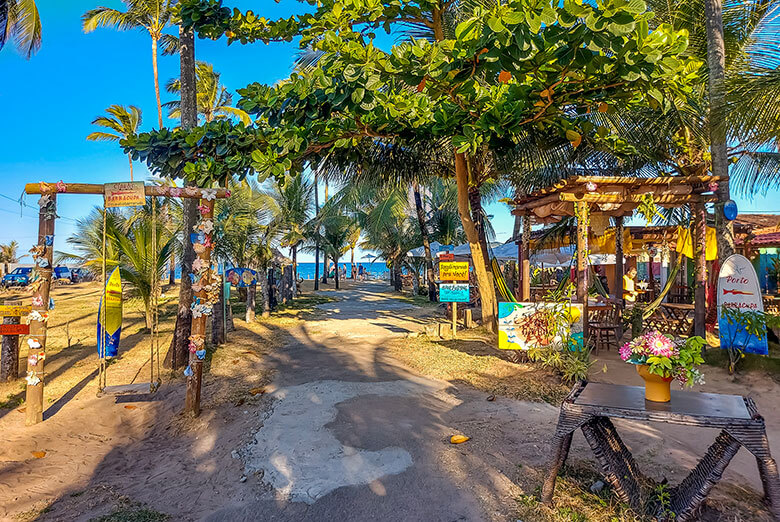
503,289
651,307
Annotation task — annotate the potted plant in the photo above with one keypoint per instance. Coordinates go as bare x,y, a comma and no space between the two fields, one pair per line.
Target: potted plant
660,359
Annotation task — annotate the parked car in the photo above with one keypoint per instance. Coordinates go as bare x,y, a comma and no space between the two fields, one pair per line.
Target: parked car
79,275
62,274
19,277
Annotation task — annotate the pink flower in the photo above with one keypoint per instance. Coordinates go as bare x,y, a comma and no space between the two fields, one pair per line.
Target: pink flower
660,345
626,351
61,187
174,192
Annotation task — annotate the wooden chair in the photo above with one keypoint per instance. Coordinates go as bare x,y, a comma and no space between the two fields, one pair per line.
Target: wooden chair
605,327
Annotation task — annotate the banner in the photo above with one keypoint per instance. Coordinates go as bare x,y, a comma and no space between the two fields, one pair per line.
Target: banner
112,329
738,287
241,277
454,293
522,326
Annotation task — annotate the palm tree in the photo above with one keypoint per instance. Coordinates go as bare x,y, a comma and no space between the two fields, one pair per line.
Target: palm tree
20,22
123,121
87,241
293,198
9,254
152,16
335,238
214,100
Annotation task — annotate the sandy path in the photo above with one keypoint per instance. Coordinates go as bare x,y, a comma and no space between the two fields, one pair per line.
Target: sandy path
344,432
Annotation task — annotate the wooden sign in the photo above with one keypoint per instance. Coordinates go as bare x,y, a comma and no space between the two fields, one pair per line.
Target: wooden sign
14,329
454,293
130,194
14,310
446,257
454,271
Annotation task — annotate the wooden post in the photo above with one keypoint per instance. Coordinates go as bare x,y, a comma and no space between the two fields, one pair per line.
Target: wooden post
699,237
454,320
468,322
251,302
581,211
198,330
40,307
9,355
618,282
525,269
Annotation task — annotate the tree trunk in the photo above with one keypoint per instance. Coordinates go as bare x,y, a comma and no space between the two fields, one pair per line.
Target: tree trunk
316,235
426,242
157,83
9,355
178,354
218,316
295,270
477,214
487,290
130,160
172,270
336,273
716,61
251,292
262,276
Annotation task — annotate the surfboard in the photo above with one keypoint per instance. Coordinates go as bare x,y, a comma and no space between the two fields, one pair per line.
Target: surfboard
738,287
112,330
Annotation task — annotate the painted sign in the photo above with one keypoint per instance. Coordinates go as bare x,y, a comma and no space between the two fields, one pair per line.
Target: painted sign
241,277
130,194
454,271
110,323
14,329
446,257
446,248
454,293
14,310
738,287
522,326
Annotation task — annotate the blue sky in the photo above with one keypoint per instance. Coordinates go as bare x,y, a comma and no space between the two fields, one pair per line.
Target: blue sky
49,101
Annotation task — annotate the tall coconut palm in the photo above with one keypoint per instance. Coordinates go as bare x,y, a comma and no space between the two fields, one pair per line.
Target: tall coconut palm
20,23
152,16
214,100
293,198
122,121
335,238
9,253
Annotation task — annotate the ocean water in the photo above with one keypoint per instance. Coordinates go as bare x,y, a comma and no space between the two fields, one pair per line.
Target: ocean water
376,270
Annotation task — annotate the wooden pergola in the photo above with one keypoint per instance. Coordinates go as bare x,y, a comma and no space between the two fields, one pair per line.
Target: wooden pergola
615,197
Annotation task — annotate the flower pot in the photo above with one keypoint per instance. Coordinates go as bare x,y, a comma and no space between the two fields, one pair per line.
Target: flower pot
657,388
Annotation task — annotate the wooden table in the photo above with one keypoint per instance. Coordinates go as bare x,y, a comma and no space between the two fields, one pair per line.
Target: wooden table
681,317
589,407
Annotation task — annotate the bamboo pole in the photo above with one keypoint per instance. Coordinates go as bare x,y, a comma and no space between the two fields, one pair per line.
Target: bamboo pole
96,188
618,281
194,380
582,262
40,306
526,267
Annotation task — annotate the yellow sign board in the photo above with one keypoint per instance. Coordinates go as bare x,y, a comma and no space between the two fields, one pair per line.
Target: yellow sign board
454,271
130,194
14,310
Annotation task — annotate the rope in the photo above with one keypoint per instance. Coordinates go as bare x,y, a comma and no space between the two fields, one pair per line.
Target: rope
102,339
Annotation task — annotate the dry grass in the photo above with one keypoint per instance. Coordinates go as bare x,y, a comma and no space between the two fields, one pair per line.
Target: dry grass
472,359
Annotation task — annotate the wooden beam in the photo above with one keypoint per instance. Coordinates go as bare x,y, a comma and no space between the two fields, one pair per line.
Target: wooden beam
699,236
582,262
96,188
671,199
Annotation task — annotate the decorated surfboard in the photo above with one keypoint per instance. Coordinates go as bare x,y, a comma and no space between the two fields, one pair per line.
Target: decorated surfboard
112,329
738,288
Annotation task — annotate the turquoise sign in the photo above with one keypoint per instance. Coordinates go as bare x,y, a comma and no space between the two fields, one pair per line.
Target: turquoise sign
454,293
